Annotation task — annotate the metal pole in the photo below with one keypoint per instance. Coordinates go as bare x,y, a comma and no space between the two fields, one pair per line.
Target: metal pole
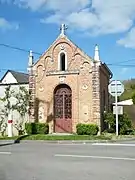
116,106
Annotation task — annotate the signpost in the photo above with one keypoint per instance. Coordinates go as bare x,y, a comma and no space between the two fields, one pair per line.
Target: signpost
120,110
116,88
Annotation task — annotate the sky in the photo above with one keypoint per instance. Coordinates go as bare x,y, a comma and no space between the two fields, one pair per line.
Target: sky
35,24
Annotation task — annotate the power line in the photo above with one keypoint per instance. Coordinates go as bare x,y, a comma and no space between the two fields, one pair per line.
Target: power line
122,65
124,61
20,49
24,70
118,64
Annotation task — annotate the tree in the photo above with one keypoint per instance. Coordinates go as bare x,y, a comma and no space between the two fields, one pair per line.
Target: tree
125,124
21,106
6,109
133,98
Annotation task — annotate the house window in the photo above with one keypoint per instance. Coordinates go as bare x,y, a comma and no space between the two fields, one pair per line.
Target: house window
62,62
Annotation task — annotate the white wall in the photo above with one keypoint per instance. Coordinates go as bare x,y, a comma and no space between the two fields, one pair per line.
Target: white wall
9,78
16,116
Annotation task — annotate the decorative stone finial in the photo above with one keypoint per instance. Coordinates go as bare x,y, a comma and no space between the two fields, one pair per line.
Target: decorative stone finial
96,55
63,28
31,58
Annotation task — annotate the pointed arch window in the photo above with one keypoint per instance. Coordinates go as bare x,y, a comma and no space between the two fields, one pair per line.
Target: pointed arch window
62,62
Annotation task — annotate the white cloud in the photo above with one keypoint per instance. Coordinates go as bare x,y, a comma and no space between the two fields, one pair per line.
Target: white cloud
93,17
34,5
129,40
55,5
6,25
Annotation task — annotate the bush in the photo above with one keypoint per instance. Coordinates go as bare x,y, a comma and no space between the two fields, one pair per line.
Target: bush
37,128
87,129
125,125
28,127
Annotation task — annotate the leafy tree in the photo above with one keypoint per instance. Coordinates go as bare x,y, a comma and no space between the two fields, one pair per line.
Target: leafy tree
6,109
133,98
125,125
21,106
132,86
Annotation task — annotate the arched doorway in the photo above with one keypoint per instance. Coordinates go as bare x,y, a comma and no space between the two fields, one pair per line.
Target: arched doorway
63,109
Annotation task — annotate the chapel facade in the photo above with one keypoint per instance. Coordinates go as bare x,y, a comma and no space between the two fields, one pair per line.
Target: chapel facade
68,87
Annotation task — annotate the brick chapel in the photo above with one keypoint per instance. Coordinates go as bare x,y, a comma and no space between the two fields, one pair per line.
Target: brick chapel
68,87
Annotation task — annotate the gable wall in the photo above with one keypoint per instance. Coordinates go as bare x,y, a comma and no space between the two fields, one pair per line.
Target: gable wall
9,78
79,78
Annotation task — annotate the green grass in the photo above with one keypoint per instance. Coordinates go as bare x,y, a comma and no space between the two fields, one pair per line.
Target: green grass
64,137
8,138
67,137
129,89
57,137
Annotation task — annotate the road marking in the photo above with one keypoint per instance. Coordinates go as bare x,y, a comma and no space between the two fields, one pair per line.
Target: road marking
94,157
112,144
5,153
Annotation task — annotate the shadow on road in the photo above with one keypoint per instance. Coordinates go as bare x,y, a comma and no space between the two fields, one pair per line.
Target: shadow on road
16,141
6,144
19,139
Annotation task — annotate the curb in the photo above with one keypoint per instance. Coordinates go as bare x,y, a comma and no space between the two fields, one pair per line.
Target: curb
67,141
10,142
6,142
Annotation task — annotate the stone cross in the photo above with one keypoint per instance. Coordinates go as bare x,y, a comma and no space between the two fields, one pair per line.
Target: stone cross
63,28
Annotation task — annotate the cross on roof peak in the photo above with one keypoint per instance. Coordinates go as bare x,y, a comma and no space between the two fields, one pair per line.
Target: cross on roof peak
63,28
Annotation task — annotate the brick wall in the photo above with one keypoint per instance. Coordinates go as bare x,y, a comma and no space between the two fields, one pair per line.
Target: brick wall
79,76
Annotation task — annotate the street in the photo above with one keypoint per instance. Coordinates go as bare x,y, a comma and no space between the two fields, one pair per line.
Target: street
40,161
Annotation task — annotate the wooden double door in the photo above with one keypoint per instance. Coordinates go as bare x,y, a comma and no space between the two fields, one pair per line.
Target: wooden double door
63,109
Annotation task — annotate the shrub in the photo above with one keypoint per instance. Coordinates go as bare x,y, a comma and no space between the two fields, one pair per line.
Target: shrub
133,98
37,128
87,129
125,125
28,127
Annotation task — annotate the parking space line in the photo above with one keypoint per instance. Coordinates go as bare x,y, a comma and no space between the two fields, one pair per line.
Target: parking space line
113,144
5,153
94,157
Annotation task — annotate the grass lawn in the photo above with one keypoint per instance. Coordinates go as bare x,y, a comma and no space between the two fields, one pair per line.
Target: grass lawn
66,137
8,138
57,137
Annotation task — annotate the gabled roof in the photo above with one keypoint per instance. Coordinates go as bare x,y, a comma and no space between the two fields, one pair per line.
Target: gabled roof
127,102
70,41
19,76
64,38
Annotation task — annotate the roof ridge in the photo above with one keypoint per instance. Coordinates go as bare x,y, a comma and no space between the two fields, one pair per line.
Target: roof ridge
18,72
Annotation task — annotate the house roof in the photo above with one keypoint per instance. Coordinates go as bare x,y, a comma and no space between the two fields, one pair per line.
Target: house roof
127,102
19,76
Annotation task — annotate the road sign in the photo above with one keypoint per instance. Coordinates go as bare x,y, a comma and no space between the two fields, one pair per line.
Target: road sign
114,86
119,109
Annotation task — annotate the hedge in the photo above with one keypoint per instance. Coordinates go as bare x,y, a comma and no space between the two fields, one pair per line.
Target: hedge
87,129
37,128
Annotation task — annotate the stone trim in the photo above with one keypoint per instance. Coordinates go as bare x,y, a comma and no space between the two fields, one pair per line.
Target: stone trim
96,94
53,73
32,92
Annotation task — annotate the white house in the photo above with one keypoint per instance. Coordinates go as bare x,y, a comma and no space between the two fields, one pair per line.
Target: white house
128,102
15,80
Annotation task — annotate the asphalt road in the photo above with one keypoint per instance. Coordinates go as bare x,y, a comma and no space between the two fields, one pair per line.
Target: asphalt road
40,161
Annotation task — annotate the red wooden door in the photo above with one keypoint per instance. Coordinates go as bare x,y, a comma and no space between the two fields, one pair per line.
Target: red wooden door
63,109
